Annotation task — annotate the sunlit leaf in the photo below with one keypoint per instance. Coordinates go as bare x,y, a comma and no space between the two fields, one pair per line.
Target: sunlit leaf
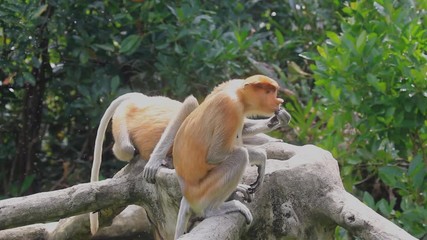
333,37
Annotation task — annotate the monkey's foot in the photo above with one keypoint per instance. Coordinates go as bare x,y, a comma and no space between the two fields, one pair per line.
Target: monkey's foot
245,211
230,207
151,169
246,191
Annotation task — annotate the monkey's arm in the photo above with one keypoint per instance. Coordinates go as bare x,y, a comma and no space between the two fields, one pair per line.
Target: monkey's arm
258,157
252,127
253,134
167,138
259,139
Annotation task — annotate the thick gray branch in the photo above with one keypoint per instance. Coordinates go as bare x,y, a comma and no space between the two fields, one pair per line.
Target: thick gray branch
71,201
302,197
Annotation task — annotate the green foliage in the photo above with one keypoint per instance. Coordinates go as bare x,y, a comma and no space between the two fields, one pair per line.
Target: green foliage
363,99
100,49
372,76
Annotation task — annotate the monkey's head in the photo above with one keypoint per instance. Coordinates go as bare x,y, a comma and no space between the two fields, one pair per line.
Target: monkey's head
260,95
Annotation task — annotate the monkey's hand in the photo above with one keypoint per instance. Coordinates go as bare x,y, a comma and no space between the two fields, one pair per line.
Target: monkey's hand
281,118
152,167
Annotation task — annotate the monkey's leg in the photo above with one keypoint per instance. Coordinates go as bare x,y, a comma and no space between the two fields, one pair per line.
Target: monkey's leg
167,138
209,195
123,148
184,214
220,183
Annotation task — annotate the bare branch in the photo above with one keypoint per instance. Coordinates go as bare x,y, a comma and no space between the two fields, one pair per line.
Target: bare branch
302,197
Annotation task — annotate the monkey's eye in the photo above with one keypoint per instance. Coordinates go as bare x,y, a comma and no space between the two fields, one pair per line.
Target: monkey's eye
268,91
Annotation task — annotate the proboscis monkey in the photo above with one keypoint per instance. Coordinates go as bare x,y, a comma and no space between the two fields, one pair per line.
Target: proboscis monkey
208,153
138,121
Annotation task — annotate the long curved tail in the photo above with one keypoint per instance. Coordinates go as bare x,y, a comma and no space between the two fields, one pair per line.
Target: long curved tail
97,153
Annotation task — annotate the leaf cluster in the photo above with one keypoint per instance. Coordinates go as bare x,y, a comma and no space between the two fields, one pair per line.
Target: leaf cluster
371,79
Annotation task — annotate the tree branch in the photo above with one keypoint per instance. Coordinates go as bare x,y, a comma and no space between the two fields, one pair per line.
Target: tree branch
302,197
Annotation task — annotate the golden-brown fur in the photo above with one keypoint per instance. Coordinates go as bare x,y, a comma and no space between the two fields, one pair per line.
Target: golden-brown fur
145,118
138,122
211,136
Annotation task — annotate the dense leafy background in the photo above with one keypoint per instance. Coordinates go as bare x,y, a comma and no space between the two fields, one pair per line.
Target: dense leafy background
353,74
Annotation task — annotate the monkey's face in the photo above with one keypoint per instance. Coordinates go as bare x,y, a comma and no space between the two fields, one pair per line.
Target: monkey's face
263,98
270,102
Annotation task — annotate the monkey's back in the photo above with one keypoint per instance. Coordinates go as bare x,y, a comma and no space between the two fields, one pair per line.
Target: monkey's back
146,119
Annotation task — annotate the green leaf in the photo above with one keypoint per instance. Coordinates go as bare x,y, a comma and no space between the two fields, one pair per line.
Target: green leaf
390,175
373,81
199,18
115,82
26,184
308,55
321,51
83,90
39,11
390,111
369,200
130,44
106,47
361,42
384,207
13,189
279,36
335,92
417,171
84,56
178,49
349,42
28,77
335,39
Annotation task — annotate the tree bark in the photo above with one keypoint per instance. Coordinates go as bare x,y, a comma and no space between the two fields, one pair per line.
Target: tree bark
302,197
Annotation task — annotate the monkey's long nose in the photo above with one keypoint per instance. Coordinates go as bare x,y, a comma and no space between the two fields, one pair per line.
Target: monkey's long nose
279,101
